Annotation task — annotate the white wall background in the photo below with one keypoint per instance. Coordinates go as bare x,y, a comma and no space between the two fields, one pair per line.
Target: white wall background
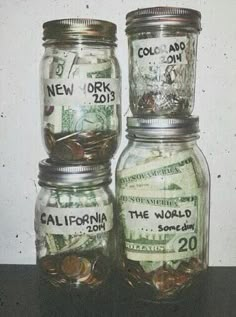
20,140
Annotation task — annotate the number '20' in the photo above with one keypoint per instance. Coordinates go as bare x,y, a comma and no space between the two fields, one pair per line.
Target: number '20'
187,244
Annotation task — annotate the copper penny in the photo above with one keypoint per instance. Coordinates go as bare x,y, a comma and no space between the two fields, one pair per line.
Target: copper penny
164,280
49,139
76,150
181,278
71,266
49,265
85,270
195,264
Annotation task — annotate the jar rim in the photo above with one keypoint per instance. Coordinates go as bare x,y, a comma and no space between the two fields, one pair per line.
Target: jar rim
161,127
162,16
68,175
79,28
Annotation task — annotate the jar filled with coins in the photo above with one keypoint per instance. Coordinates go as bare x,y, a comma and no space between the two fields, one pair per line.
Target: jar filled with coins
74,224
162,183
80,90
162,60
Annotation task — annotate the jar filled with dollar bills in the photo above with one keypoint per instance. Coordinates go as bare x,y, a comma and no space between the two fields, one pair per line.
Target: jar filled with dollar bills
162,185
80,90
162,60
74,224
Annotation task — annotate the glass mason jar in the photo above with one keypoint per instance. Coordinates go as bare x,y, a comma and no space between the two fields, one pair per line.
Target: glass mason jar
74,224
80,90
162,60
162,184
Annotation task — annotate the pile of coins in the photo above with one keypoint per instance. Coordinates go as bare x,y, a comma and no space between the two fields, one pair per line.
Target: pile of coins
154,102
74,269
166,280
84,146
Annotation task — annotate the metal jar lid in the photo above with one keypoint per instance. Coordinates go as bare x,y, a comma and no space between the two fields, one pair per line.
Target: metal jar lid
138,20
74,29
162,127
54,174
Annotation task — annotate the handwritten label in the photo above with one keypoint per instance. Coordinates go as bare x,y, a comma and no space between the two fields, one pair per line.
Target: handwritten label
147,218
74,221
167,50
59,92
160,225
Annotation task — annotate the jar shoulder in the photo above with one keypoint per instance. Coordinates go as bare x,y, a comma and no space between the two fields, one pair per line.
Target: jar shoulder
78,61
81,53
141,158
74,199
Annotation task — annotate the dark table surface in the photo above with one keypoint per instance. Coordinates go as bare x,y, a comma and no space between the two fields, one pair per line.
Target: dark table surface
21,294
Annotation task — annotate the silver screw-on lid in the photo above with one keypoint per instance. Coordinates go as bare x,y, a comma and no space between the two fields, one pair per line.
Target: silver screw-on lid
140,19
74,29
162,127
55,174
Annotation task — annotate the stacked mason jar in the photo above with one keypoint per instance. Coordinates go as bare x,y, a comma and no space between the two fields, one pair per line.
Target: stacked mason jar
162,177
80,115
